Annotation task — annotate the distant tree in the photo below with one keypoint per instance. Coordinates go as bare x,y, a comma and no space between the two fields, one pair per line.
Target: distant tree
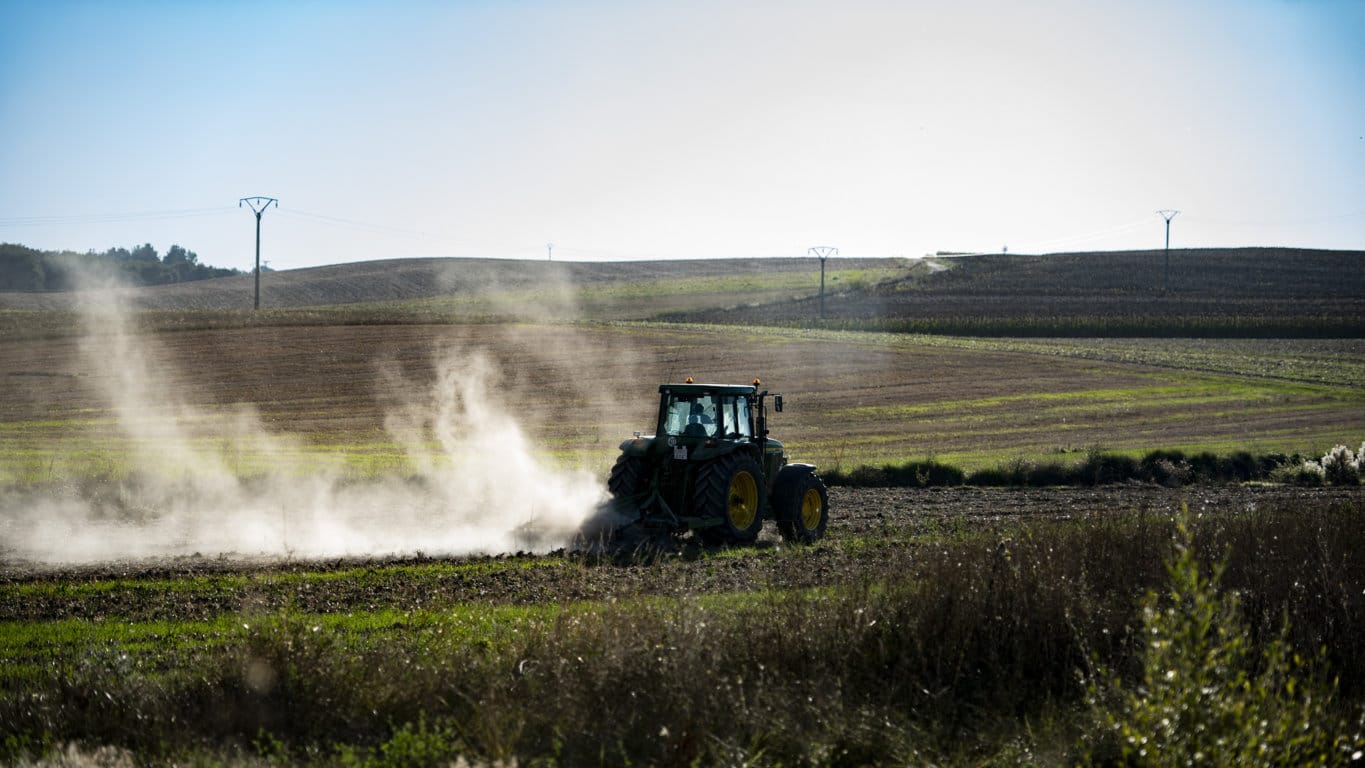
152,273
145,253
181,265
177,255
28,269
21,269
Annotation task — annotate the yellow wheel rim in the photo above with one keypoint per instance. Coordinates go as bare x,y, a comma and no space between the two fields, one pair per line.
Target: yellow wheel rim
812,509
743,500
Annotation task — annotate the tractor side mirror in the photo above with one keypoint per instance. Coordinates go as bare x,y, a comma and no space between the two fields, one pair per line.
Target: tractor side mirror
777,403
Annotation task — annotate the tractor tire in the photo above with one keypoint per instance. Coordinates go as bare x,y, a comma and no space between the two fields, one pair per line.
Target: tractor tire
802,508
730,489
628,477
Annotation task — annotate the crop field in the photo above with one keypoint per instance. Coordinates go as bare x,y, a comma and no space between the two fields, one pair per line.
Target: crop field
465,289
235,538
856,398
1218,293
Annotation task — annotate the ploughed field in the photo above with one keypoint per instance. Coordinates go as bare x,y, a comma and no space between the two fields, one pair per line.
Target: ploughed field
1225,293
578,390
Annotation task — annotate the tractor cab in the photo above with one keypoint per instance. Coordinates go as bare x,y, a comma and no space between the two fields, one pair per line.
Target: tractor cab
693,410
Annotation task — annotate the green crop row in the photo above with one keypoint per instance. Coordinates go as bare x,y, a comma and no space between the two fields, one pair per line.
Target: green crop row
1337,362
1103,326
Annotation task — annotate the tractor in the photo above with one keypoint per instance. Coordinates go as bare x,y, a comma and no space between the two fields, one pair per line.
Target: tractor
711,468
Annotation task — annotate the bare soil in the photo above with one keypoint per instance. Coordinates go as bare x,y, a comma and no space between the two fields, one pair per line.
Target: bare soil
1259,290
585,388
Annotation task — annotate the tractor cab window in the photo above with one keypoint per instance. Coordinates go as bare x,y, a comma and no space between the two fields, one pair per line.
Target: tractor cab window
691,416
735,409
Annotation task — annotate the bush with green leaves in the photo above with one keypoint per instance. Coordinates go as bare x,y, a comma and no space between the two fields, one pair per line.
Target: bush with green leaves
1207,695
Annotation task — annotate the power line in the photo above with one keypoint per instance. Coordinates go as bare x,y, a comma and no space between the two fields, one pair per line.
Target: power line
1262,223
109,218
358,224
1097,234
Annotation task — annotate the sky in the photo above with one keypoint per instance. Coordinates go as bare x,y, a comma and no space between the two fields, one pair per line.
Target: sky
634,129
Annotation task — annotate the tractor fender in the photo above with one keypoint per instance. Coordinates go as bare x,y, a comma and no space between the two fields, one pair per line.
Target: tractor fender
637,447
785,485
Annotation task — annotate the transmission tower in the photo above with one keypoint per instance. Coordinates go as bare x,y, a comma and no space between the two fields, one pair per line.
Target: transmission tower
823,252
258,206
1166,274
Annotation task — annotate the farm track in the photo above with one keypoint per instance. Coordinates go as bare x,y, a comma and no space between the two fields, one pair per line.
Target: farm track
868,524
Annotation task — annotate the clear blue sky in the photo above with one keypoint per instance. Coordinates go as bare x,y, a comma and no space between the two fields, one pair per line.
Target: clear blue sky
679,129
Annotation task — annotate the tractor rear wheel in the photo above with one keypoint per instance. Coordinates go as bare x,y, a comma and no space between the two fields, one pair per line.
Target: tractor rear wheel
730,489
628,477
803,509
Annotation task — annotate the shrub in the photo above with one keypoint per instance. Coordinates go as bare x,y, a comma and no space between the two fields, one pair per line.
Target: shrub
1298,471
1340,466
411,745
1206,696
1027,473
1171,468
1101,468
1168,468
913,474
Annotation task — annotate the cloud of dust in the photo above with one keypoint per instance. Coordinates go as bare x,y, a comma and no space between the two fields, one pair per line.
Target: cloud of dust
475,483
544,293
541,292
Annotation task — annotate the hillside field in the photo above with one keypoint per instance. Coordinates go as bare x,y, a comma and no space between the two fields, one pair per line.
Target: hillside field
579,390
1227,293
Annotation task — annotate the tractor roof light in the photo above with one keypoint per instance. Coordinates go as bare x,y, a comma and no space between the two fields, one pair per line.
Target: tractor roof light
687,380
757,383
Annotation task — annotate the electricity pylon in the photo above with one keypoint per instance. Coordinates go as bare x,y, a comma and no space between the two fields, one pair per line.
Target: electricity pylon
1166,275
823,252
258,206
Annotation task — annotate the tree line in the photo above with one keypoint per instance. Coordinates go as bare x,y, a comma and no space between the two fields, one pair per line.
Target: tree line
29,269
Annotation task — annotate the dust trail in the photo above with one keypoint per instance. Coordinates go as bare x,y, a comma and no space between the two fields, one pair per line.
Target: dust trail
475,485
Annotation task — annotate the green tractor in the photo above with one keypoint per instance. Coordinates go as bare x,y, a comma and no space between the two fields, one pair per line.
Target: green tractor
710,467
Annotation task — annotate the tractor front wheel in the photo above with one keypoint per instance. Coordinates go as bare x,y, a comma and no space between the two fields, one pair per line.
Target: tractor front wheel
730,489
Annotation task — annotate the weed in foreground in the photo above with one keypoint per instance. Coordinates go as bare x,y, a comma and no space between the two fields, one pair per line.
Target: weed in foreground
961,650
1208,696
